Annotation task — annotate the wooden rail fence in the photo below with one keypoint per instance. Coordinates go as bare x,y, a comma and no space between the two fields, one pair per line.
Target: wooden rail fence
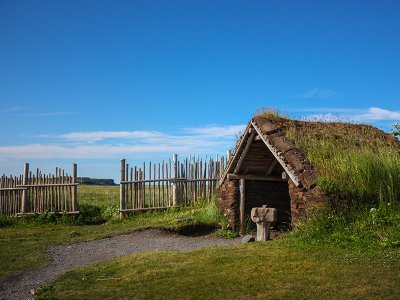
39,193
168,184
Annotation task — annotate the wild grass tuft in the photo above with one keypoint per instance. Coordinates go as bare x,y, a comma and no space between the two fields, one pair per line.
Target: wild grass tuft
359,169
273,114
356,228
359,174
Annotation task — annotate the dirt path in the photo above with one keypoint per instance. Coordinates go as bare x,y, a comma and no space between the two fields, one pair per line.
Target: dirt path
68,257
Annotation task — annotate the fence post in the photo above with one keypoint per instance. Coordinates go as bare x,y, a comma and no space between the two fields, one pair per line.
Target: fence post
228,155
74,199
25,192
122,190
175,200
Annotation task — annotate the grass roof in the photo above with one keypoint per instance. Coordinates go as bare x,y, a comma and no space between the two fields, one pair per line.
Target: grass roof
357,162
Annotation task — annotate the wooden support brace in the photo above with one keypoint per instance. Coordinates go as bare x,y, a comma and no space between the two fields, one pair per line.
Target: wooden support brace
288,169
271,167
244,153
239,146
254,177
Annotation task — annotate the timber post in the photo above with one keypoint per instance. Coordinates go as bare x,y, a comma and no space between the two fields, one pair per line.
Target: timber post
24,199
228,155
175,200
122,189
242,188
74,197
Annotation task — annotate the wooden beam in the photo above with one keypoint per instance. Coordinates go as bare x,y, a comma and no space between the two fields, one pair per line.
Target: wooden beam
242,189
14,189
147,208
163,180
246,149
238,147
254,177
48,184
289,170
271,167
50,213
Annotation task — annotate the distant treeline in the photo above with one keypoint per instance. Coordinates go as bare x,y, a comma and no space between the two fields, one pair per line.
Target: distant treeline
93,181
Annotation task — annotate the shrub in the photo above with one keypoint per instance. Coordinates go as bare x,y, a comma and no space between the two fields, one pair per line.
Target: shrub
6,221
90,214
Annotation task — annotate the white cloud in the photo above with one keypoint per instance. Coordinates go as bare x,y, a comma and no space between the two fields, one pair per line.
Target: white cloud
378,114
352,115
319,93
119,144
101,135
39,151
217,131
328,117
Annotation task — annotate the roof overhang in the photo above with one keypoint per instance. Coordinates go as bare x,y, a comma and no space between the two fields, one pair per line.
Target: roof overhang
252,132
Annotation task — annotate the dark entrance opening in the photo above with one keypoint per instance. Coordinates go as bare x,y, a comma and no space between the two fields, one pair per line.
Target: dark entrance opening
272,194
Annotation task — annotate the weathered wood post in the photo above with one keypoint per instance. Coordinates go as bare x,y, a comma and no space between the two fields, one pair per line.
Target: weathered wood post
221,166
242,189
122,189
24,200
228,155
175,200
74,199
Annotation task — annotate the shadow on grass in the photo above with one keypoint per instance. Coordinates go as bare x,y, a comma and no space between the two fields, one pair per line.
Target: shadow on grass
193,229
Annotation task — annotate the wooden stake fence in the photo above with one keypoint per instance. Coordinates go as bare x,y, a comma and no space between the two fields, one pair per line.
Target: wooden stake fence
168,184
38,193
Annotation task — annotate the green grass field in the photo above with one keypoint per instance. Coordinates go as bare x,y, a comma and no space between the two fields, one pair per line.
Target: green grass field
22,242
264,270
320,260
302,265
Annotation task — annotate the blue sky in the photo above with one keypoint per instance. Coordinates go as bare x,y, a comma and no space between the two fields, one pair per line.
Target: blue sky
96,81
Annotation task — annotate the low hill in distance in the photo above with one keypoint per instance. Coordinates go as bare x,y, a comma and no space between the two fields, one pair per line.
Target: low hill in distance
95,181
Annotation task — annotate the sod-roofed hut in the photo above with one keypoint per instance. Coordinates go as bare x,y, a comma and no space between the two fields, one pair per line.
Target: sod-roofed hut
268,168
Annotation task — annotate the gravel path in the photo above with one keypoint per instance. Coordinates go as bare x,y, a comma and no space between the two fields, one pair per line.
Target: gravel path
68,257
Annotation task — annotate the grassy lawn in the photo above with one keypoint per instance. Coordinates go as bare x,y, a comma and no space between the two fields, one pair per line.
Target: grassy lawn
306,264
259,270
22,246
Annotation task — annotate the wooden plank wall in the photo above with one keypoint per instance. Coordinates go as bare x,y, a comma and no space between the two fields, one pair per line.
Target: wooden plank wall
168,183
36,192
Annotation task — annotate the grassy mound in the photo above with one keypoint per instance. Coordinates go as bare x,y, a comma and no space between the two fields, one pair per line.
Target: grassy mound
360,171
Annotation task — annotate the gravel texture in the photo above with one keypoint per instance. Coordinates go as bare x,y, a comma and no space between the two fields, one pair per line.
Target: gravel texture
68,257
